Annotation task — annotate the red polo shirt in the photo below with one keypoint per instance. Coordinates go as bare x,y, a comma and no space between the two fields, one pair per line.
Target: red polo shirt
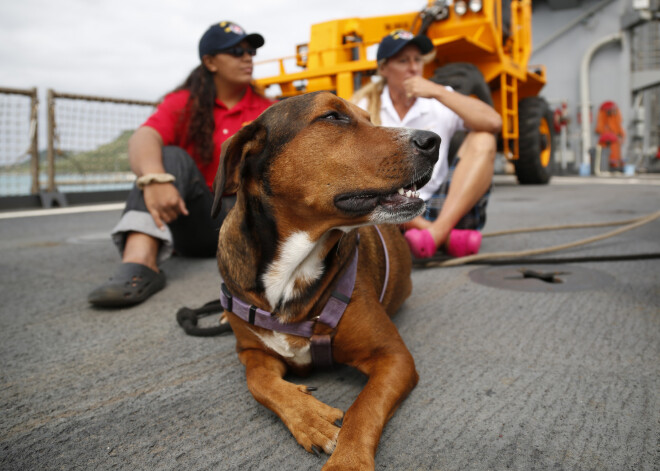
172,124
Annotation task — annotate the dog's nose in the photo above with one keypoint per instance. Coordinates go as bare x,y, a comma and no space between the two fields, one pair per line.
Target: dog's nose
426,141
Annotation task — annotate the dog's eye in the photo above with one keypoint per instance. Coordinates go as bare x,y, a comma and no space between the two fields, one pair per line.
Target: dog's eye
334,116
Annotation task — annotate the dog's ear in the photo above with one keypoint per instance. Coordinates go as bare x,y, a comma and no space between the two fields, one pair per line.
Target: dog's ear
250,140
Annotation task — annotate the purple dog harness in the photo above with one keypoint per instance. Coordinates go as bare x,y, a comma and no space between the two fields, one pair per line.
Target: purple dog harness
321,345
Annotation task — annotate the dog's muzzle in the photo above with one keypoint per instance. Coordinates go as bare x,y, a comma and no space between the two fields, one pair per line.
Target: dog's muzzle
400,202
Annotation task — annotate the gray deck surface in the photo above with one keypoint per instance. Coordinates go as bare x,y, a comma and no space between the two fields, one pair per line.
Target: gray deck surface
535,378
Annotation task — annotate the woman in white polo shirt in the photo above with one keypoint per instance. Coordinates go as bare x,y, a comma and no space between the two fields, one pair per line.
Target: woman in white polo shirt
403,98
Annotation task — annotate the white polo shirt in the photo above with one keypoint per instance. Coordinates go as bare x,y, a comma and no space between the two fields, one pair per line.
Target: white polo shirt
426,114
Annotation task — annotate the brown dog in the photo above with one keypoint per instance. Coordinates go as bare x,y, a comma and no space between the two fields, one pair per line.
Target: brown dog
310,174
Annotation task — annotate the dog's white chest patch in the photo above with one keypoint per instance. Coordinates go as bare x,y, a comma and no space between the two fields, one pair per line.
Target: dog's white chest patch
297,261
277,342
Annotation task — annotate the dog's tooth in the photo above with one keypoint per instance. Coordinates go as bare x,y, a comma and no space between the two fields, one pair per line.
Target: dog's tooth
401,191
409,193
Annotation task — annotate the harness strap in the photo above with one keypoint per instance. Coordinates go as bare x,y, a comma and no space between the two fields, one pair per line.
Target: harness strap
387,264
320,344
255,316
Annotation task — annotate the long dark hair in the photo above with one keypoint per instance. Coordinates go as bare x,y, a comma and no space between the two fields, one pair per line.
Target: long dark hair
200,111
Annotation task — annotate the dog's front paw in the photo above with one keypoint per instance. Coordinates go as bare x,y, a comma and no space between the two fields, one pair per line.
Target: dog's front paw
314,425
349,462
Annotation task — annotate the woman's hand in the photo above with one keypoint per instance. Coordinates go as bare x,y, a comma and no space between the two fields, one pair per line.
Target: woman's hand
419,87
164,203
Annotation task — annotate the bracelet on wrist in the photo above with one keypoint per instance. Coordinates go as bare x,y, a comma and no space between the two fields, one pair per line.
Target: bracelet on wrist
149,178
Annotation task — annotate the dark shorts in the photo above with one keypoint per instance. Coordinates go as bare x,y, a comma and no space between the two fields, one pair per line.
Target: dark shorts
474,219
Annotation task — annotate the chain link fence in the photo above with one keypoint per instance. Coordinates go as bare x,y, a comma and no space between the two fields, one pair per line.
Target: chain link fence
87,142
19,160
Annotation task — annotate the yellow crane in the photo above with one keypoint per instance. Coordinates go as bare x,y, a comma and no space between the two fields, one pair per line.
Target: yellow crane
492,37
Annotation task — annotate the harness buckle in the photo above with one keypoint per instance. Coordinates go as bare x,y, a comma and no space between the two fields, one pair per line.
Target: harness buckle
341,296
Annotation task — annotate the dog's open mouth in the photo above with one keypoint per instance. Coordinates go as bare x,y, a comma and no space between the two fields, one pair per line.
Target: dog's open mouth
402,199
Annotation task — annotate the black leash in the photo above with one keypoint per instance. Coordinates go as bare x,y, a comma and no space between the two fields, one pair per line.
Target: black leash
188,318
423,263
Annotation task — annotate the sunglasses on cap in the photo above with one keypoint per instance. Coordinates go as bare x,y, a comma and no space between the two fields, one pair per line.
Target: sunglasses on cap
238,51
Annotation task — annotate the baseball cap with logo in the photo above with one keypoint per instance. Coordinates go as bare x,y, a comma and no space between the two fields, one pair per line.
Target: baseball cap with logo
398,39
224,35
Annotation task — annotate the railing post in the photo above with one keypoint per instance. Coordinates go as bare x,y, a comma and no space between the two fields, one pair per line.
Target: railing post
34,141
51,140
51,197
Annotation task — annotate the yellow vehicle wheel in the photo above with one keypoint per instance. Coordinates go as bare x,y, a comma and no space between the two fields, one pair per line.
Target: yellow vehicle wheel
535,139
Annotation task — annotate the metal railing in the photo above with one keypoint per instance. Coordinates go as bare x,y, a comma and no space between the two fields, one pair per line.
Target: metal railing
19,155
88,141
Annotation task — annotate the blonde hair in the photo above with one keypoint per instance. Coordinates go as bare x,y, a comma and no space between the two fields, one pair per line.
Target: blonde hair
372,92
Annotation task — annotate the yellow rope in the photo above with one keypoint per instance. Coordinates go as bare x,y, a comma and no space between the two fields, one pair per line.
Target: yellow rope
630,224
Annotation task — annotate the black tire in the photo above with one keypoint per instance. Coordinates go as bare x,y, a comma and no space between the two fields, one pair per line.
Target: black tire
465,78
535,140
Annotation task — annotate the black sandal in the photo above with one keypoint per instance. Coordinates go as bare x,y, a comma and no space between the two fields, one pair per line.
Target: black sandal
132,284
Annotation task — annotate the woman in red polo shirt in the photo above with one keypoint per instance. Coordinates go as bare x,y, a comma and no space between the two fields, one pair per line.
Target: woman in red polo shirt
175,155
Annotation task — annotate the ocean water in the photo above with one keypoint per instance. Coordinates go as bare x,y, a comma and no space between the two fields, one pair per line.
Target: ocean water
12,184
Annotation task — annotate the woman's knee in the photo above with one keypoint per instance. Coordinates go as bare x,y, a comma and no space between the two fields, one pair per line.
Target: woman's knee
479,145
177,161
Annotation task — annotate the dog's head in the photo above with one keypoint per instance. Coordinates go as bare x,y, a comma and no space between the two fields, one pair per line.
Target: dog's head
317,162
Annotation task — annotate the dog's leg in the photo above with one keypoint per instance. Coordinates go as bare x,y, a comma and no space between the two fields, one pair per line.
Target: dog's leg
311,422
392,375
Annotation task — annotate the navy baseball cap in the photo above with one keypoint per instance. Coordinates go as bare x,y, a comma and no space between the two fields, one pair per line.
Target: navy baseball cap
224,35
398,39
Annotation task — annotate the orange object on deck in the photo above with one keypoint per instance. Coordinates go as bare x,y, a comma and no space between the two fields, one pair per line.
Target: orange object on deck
610,130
